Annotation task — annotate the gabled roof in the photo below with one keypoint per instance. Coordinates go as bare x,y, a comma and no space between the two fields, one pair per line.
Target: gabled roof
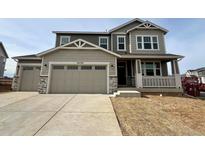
80,32
198,69
26,57
148,25
4,50
78,44
125,24
113,29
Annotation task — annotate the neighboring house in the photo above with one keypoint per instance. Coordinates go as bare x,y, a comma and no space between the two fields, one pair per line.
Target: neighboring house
200,72
130,56
3,57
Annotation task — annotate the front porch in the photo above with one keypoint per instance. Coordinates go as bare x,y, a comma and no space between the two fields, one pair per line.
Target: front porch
151,75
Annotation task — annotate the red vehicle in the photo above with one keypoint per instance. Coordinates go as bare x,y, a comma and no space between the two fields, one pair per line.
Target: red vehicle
192,85
201,85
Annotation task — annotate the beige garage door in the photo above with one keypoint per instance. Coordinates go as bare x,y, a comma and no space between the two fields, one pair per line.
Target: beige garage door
30,78
78,79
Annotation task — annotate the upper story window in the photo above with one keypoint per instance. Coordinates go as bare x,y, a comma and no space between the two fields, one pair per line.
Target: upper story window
103,42
147,42
64,40
121,43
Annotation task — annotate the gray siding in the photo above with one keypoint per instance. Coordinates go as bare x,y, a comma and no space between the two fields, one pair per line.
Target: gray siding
79,56
2,63
2,66
90,38
29,61
127,27
160,35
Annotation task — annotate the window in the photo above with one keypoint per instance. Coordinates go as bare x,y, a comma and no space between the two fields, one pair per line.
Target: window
147,42
86,67
4,60
121,43
72,67
64,40
103,42
151,68
100,67
27,68
158,69
58,67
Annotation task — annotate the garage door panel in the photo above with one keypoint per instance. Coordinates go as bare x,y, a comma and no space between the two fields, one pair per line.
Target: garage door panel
30,78
79,79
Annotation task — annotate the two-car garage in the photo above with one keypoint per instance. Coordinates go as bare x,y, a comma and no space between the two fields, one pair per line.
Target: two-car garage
78,79
79,67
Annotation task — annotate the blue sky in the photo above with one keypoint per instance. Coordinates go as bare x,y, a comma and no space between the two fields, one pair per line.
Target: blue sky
28,36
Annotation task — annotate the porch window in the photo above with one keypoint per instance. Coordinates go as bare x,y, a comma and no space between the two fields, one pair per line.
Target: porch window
64,40
147,42
151,68
121,43
103,42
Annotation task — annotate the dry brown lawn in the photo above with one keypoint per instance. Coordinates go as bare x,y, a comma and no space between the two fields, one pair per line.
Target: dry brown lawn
155,115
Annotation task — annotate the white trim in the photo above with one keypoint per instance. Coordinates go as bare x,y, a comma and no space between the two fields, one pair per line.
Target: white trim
121,36
76,63
111,42
77,48
130,43
91,44
27,58
115,66
104,37
119,33
164,44
151,39
64,36
127,23
29,64
150,23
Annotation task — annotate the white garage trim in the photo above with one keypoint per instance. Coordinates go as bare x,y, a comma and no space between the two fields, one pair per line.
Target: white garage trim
20,70
76,63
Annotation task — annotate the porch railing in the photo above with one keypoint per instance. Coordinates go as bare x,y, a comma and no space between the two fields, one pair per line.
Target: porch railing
168,81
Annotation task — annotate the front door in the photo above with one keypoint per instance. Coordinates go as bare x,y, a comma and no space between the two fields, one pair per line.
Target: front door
121,73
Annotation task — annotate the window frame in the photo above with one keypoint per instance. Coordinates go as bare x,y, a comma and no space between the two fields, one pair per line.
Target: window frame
121,36
151,38
143,63
64,36
103,37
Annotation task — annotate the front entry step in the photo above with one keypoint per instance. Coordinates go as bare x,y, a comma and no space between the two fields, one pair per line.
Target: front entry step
127,93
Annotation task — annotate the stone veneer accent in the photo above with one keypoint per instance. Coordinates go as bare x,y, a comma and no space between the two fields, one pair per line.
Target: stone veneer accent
42,87
113,84
15,83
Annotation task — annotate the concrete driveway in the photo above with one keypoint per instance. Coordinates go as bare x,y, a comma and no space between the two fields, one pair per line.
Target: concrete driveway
24,113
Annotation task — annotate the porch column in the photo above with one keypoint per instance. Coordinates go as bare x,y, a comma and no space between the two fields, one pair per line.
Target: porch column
138,74
176,73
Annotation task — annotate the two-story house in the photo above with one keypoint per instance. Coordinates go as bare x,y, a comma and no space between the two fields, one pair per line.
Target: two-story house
132,55
3,57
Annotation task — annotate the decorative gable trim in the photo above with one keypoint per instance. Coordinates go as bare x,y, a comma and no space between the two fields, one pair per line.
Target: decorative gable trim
78,44
147,25
127,23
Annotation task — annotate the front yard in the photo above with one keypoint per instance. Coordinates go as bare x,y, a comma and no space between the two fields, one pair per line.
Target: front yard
155,115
